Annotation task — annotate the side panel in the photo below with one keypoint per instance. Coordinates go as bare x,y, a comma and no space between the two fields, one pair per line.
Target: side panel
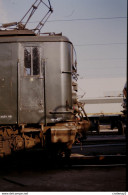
31,84
58,81
8,83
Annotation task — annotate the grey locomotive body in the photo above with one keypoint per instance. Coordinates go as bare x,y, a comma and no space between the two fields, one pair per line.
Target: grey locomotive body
36,91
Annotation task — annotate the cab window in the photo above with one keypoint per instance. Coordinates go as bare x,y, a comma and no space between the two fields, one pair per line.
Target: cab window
31,61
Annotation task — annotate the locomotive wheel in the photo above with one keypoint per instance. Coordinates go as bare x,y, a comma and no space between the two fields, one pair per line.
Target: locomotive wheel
67,157
67,153
54,153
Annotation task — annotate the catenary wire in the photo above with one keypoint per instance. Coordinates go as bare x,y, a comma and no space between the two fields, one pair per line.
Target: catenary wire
100,44
83,19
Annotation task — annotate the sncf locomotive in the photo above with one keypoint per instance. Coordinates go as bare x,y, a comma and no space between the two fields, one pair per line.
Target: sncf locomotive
38,103
38,84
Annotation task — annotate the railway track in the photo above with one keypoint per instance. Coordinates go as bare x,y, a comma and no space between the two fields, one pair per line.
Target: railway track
99,150
85,170
76,163
29,161
92,139
98,160
32,171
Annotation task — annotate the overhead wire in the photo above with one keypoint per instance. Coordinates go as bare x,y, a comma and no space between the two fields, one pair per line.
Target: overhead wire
104,59
83,19
100,44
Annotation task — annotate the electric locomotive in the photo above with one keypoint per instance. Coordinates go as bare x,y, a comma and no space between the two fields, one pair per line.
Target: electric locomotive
38,103
38,84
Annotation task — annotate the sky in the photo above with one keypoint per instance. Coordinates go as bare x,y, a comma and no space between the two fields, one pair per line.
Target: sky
97,28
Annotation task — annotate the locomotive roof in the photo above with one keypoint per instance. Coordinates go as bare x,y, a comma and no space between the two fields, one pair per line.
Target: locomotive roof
28,35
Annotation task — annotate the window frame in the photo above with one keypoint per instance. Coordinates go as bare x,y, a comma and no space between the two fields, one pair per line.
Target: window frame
31,65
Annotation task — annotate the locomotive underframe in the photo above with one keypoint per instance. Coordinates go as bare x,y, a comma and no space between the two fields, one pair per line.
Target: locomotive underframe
14,138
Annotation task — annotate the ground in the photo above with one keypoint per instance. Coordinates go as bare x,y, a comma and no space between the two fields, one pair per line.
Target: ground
66,179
